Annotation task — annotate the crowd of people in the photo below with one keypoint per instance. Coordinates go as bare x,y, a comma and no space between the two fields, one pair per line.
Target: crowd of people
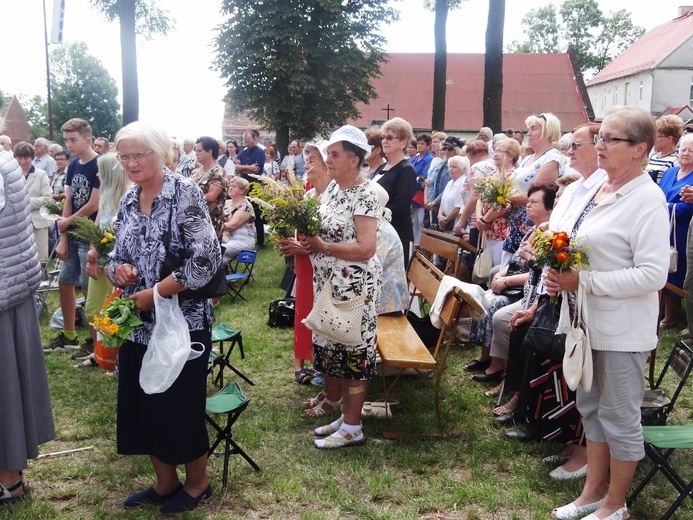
377,190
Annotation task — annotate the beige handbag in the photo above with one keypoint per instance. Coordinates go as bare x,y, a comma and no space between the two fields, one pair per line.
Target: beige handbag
339,322
577,360
483,263
673,252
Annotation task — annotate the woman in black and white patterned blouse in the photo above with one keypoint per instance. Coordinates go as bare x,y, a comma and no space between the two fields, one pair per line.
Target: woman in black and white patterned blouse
163,212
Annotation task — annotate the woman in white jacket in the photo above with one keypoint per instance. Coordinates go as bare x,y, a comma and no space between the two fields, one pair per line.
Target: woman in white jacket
625,228
40,193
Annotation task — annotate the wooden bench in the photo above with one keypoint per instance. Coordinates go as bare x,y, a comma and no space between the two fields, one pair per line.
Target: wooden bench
449,247
400,346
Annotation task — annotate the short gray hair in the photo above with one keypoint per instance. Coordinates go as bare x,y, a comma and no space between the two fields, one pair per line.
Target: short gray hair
153,137
462,162
638,124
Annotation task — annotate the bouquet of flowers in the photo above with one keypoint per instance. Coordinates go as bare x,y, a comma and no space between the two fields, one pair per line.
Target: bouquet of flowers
53,207
116,321
495,191
556,250
102,239
286,208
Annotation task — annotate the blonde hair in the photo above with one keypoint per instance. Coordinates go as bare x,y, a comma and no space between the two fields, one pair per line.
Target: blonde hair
550,126
671,126
241,183
114,182
512,148
401,128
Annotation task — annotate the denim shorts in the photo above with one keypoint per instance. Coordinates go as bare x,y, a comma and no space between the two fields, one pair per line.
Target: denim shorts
74,269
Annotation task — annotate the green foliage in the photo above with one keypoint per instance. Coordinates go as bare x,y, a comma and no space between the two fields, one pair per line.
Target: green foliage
2,99
597,38
151,20
82,87
301,64
36,112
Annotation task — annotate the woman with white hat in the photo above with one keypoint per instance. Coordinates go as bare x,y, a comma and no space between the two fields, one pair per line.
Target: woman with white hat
343,255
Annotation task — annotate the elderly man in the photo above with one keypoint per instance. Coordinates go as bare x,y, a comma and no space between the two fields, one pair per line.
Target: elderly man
251,161
53,149
43,161
101,145
294,159
6,144
188,158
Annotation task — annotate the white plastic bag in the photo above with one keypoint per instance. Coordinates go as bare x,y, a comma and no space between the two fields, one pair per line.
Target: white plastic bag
169,347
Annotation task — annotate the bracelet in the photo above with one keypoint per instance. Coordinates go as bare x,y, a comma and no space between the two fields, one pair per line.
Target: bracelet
505,281
482,220
327,250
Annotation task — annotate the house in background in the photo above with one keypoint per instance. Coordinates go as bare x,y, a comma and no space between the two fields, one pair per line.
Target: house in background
655,73
532,84
13,122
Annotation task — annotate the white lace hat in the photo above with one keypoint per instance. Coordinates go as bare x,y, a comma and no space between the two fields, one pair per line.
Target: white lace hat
350,134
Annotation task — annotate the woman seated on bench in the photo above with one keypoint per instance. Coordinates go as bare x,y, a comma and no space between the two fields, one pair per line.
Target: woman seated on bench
239,225
493,331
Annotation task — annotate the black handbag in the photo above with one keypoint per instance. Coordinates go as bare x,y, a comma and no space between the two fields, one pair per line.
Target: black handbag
282,313
514,293
541,337
215,288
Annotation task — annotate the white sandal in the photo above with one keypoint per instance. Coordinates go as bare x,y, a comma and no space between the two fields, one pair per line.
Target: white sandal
324,407
341,439
571,511
6,496
619,514
328,429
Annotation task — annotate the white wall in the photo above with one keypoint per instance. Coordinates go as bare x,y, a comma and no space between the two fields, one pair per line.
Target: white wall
672,88
621,91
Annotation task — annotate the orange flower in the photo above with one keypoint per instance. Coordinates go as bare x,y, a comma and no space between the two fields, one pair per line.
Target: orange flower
559,244
562,256
563,236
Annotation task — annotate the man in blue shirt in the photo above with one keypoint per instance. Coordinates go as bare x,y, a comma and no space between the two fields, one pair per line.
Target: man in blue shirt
252,160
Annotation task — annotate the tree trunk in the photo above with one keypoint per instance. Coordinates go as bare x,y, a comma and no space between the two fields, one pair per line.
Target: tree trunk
128,51
493,66
440,65
283,140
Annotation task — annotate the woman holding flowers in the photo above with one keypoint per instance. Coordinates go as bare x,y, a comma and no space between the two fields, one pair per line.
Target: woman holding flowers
163,214
623,226
343,257
316,174
543,167
491,216
454,196
114,184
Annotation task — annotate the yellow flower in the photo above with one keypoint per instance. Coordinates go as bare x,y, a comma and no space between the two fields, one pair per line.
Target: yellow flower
106,321
500,200
113,329
104,240
109,235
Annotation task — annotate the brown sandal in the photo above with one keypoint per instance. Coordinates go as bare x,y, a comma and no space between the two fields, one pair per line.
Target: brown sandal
507,407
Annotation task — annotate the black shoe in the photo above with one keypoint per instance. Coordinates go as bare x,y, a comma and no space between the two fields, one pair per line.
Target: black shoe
149,496
488,378
475,365
510,419
524,433
184,502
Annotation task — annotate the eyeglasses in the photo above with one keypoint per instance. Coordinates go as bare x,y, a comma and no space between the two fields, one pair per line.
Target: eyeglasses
574,146
447,148
389,137
610,141
137,157
501,151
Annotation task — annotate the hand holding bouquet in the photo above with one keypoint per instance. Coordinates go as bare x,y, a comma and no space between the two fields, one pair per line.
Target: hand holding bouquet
495,191
116,321
102,239
286,207
557,251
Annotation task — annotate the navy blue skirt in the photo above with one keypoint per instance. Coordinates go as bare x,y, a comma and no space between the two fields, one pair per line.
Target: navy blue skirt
170,425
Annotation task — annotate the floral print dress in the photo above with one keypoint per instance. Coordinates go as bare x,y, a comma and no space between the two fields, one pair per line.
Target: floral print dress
204,179
349,279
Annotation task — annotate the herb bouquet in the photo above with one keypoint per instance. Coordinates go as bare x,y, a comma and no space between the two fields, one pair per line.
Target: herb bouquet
495,191
102,239
286,208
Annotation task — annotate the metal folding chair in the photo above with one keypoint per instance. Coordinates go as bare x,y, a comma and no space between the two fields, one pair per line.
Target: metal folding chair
231,401
218,361
242,273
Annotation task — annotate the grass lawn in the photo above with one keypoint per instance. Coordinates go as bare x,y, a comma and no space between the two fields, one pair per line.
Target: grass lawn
473,474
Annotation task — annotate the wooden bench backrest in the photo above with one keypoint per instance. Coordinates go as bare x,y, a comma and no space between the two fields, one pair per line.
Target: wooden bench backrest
441,248
459,241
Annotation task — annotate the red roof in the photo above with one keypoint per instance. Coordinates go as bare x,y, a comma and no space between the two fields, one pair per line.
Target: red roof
532,83
649,50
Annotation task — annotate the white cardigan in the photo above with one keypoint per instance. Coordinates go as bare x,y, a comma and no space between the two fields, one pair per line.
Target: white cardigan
628,240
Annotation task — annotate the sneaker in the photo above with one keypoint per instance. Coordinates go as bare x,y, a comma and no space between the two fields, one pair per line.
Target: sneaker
85,350
61,344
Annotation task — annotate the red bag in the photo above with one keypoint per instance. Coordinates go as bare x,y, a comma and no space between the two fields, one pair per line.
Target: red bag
418,199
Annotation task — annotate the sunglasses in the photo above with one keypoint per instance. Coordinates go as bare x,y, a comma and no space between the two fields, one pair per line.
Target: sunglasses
447,148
